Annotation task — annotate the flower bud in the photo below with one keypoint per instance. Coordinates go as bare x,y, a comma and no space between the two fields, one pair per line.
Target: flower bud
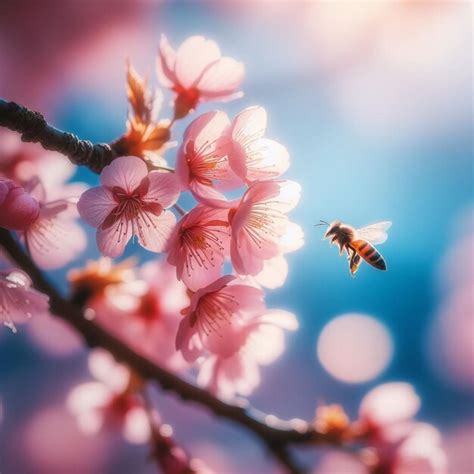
18,210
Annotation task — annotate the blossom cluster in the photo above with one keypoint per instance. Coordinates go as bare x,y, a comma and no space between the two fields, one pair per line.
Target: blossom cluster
203,301
201,304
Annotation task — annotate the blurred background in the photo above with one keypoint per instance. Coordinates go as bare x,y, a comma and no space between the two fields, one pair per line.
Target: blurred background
374,103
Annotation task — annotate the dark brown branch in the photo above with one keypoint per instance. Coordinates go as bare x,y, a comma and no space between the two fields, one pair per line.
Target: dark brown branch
277,437
33,128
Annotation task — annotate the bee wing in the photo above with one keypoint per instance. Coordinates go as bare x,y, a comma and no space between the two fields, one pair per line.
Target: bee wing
375,233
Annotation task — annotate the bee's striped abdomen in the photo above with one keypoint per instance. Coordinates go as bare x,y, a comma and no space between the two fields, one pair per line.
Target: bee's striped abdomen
369,253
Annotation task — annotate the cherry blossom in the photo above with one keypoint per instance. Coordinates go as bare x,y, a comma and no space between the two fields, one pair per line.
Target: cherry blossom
239,373
18,209
111,402
197,72
388,403
130,201
260,225
215,318
202,165
402,444
145,313
199,246
254,157
54,238
18,300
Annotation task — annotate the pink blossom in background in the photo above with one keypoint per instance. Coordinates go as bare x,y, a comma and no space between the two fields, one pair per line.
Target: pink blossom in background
215,319
22,162
458,443
199,245
54,238
450,340
239,373
130,201
389,403
197,72
402,444
146,313
110,403
259,224
451,348
340,463
50,442
18,300
53,336
254,157
18,209
202,164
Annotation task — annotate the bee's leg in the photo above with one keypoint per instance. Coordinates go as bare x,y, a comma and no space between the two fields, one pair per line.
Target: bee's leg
354,262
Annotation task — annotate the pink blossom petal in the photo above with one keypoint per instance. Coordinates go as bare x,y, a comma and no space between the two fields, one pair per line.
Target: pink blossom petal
113,240
274,272
187,341
95,205
292,239
36,189
166,63
266,159
163,189
209,196
221,79
248,255
54,240
205,133
227,339
251,122
182,169
125,172
193,58
155,231
289,197
254,157
389,403
250,298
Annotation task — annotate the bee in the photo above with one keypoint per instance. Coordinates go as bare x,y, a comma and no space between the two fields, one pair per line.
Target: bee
358,243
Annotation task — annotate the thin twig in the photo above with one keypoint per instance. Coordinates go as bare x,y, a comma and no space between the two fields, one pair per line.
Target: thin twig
277,437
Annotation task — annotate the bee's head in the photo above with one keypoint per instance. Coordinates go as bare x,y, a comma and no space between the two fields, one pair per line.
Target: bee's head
333,228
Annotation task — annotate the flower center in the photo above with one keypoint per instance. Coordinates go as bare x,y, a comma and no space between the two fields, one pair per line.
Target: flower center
130,205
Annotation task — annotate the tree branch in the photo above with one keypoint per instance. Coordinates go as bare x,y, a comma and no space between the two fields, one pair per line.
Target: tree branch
33,128
277,436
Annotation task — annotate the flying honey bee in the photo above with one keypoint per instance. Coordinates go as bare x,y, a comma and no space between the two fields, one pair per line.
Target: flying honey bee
358,243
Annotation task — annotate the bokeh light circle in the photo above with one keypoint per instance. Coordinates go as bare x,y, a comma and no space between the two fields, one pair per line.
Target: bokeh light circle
354,348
